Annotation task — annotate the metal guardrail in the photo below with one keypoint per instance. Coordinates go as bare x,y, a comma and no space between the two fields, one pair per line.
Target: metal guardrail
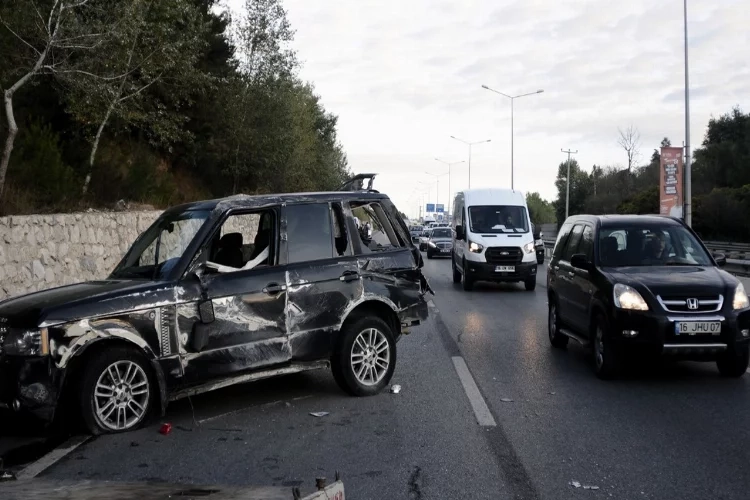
738,254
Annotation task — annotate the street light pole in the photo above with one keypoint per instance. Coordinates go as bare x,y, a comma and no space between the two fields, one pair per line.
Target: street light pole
450,193
688,215
567,188
470,144
512,139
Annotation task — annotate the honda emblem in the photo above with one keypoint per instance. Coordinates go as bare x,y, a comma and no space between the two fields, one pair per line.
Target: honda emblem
692,304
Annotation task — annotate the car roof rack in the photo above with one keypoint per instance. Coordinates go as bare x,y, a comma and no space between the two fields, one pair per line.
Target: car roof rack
357,183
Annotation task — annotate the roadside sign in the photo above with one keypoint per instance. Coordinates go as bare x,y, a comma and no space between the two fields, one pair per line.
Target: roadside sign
430,207
440,209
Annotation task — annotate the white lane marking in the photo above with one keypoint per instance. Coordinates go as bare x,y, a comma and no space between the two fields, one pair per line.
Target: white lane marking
54,456
481,410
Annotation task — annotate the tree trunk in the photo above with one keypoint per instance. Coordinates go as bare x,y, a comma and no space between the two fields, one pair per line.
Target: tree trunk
95,146
12,131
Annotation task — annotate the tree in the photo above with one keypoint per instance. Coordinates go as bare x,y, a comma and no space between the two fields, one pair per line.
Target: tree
724,158
540,210
580,187
154,48
630,140
45,43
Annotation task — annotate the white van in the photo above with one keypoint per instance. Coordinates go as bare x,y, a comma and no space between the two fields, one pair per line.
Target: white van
492,238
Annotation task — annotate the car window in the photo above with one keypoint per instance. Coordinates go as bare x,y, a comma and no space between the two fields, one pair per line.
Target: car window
572,246
586,247
651,245
562,240
498,219
442,232
309,232
375,230
245,241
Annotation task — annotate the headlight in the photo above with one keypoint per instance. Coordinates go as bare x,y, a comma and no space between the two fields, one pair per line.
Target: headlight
20,342
740,298
475,247
629,299
529,247
431,243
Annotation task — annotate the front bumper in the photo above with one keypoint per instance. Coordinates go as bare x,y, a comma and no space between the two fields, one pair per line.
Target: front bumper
445,252
26,385
656,333
483,271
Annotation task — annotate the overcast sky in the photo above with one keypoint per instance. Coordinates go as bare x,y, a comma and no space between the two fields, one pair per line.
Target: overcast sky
403,76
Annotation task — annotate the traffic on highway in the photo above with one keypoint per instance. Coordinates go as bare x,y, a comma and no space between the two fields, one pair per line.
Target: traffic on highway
488,386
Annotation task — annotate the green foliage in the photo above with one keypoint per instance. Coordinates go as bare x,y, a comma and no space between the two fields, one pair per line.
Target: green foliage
199,106
38,166
580,188
721,215
540,210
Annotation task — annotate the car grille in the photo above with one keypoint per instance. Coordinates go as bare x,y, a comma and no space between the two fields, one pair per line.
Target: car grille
444,246
691,304
503,255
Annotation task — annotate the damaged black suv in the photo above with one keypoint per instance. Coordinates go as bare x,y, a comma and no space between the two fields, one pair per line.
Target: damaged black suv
220,292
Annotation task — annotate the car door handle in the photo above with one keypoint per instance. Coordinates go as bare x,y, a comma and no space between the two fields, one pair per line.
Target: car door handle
274,288
349,276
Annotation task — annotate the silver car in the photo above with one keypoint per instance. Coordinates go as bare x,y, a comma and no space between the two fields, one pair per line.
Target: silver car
439,242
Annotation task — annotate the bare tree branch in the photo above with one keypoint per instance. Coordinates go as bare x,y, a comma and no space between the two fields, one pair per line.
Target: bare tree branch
39,14
19,37
630,141
82,72
51,15
133,94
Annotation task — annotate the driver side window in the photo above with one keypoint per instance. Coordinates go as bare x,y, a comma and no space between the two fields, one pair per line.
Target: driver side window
245,241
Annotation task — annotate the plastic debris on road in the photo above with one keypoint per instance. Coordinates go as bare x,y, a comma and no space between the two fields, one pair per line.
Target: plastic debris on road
319,413
586,487
165,429
575,484
395,389
506,400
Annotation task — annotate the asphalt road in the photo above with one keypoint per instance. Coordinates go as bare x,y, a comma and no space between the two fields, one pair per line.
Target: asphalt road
661,432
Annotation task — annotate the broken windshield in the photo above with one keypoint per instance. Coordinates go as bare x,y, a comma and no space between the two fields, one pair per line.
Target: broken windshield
498,219
158,249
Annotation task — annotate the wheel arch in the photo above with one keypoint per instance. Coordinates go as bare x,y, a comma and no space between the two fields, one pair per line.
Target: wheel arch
374,307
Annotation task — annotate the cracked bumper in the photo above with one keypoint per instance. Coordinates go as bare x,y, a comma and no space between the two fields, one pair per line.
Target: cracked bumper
26,385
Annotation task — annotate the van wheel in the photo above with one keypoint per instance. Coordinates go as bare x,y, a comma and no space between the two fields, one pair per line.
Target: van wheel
530,284
364,361
734,362
606,358
556,338
468,283
116,391
456,272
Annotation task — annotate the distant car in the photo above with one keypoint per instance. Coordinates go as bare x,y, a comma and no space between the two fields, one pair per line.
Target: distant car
415,232
215,293
632,285
440,242
538,243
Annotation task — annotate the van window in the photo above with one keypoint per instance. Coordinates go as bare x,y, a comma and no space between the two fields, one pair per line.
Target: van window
562,240
498,219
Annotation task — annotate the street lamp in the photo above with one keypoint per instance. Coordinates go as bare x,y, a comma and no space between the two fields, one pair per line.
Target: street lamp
688,194
470,144
450,194
512,99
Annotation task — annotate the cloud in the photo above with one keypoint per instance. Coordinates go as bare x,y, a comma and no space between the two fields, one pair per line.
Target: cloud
404,76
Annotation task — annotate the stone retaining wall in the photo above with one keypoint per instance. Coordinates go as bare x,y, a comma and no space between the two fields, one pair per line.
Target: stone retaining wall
43,251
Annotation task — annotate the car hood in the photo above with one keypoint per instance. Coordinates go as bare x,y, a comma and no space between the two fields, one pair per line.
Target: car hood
676,280
84,300
501,239
447,239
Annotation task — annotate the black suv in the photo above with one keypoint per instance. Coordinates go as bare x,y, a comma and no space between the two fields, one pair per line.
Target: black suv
633,285
215,293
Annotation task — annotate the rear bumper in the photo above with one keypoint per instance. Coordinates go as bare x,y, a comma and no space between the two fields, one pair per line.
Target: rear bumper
482,271
656,334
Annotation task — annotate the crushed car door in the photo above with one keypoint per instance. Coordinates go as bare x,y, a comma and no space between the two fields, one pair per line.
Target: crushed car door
245,287
323,276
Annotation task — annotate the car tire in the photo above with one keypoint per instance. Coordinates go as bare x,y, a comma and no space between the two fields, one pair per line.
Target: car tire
606,357
734,362
117,391
429,254
530,284
355,363
456,272
468,280
556,338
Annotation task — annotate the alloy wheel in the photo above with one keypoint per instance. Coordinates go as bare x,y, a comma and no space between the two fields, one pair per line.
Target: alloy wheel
370,356
121,395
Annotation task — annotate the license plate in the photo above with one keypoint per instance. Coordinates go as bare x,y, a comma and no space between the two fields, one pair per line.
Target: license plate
505,269
697,328
445,250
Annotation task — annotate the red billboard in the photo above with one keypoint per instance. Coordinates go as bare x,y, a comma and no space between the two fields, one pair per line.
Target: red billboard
670,182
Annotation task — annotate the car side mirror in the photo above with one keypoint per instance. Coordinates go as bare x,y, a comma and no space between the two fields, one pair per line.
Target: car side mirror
460,233
721,259
579,261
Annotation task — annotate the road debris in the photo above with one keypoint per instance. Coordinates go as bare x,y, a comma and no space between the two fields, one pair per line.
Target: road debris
395,389
575,484
553,393
586,487
506,400
165,429
319,413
